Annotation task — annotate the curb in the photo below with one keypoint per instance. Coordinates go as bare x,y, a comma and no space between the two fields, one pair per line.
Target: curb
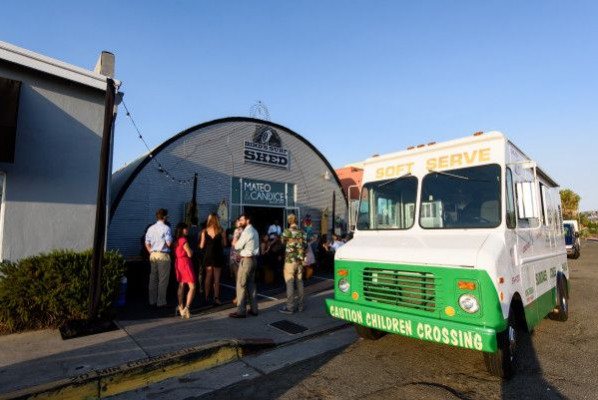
136,374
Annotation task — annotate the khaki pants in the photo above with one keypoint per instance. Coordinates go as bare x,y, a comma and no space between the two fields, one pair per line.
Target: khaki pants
246,285
293,273
159,276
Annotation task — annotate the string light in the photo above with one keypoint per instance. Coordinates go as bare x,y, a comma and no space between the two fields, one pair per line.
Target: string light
160,168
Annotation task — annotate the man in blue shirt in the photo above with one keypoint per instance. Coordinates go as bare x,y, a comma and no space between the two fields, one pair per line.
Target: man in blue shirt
157,242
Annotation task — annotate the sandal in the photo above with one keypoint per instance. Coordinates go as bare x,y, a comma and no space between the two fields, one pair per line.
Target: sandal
217,301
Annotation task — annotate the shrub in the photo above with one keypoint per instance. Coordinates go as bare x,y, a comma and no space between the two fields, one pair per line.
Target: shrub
47,290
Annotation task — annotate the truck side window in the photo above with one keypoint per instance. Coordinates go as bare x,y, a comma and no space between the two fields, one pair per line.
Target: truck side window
543,205
363,218
510,198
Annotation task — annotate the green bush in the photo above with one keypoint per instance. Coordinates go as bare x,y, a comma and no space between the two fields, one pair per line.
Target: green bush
47,290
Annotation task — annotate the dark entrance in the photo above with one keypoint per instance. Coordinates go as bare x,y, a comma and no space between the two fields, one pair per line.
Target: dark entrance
263,217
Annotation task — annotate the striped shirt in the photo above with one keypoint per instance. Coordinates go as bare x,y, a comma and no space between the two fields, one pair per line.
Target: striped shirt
159,237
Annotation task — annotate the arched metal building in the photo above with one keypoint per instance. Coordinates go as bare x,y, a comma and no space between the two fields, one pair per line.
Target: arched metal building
242,164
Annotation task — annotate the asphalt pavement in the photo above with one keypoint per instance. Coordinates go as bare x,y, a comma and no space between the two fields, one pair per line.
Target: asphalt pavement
557,361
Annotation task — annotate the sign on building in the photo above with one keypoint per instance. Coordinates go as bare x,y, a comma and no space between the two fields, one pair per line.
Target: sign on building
266,149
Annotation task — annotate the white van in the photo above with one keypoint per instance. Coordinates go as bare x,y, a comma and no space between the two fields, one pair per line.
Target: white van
572,242
460,243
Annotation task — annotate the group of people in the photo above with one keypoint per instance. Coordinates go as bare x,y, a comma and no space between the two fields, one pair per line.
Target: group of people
160,243
290,244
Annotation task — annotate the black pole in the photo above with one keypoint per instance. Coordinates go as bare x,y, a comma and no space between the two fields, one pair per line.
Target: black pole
194,197
99,238
333,211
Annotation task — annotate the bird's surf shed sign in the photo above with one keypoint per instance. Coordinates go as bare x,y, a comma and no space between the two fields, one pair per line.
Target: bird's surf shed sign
266,149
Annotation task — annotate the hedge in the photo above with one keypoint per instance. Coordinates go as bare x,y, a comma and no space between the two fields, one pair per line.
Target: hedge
47,290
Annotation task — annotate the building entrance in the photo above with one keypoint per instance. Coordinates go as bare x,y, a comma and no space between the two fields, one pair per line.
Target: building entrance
266,201
263,217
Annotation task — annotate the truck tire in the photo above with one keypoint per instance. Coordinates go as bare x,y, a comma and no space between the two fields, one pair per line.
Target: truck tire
369,333
503,362
561,311
576,253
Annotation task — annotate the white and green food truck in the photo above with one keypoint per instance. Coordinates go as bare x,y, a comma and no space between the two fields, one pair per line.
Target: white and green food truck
459,243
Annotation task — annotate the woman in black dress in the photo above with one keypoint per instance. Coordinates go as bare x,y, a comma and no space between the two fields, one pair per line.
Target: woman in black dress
213,242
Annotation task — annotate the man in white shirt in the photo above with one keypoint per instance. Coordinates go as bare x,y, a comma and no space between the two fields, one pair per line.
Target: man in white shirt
158,239
248,246
336,242
275,229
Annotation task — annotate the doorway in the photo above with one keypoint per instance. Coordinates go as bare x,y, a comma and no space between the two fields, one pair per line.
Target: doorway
263,217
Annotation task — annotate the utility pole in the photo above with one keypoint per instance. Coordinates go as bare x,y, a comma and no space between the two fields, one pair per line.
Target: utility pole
99,238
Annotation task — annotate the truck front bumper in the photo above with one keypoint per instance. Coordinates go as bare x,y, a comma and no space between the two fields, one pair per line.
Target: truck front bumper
452,333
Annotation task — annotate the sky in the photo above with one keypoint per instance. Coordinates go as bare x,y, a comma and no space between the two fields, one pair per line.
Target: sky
355,78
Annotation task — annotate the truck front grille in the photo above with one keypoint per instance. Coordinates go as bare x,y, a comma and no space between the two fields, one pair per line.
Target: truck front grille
401,288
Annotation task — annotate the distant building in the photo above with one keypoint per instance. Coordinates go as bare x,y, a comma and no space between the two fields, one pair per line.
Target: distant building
51,123
591,215
350,178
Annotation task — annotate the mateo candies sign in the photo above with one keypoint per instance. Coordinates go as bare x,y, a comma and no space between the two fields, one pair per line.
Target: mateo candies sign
263,193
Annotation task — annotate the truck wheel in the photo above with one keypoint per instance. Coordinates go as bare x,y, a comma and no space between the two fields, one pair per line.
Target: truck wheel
369,333
561,312
502,363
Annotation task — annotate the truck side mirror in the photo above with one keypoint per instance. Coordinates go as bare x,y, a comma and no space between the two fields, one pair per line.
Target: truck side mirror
526,200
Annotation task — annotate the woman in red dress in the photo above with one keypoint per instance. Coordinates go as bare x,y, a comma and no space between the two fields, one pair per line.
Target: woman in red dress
183,267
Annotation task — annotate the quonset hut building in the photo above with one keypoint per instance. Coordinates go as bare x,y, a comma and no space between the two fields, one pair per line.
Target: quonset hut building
242,165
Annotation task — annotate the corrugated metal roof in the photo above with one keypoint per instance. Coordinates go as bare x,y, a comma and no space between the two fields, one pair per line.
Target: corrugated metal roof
123,177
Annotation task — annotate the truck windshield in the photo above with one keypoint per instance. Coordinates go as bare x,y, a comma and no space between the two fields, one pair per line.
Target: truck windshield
387,204
461,198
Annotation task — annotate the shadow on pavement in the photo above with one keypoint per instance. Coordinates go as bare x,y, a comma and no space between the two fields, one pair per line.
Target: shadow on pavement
528,382
136,308
276,384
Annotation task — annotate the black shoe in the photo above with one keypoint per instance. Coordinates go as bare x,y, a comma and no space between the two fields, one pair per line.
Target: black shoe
254,313
236,315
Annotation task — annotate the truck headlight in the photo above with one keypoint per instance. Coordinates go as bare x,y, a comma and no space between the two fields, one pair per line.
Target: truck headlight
469,303
343,285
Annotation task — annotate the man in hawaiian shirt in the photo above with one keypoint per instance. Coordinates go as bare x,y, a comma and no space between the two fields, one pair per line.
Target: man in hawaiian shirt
296,245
